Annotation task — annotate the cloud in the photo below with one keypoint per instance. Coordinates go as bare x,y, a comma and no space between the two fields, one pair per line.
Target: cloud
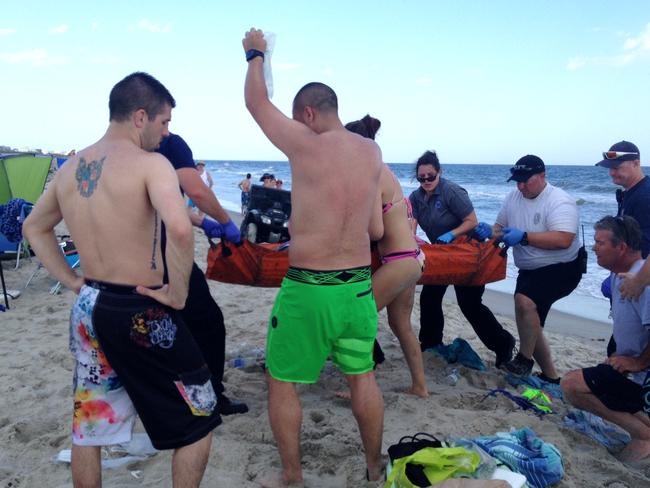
6,32
59,29
576,63
423,80
34,57
639,43
103,60
94,26
285,66
147,25
633,49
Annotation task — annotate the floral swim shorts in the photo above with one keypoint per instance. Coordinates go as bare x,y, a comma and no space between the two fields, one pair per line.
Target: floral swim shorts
134,354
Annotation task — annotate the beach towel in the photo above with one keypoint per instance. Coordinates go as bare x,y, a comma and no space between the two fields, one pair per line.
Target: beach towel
10,225
522,451
489,467
645,389
606,433
536,382
460,351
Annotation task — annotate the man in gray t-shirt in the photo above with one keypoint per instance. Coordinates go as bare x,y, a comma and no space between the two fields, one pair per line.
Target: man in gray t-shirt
613,390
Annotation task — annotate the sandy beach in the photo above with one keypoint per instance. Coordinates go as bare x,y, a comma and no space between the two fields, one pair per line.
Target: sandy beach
36,403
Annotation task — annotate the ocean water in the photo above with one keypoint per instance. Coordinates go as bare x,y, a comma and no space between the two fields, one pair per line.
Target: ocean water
486,184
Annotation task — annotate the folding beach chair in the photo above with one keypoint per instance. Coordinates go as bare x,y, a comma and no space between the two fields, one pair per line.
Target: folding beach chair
4,287
71,256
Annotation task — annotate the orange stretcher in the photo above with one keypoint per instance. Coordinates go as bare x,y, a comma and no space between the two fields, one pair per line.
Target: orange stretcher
466,262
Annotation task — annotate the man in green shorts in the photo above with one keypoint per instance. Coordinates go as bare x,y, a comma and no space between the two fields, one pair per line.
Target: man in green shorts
325,307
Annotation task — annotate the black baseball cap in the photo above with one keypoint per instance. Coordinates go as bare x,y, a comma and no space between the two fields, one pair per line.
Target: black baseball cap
526,167
619,153
267,176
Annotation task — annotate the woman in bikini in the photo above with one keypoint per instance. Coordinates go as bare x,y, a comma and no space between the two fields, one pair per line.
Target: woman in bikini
402,263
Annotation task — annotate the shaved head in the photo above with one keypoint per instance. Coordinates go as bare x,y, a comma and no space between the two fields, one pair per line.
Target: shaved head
316,95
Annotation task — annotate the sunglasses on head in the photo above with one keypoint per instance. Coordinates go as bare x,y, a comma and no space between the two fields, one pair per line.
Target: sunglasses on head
429,179
620,221
617,154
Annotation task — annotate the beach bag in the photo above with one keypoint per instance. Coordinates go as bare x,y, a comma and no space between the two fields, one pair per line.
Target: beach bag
437,464
408,445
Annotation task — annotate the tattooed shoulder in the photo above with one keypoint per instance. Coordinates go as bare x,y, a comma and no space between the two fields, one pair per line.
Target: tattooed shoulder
87,176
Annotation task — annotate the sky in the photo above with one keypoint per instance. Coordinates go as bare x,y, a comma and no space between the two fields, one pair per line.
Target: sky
478,81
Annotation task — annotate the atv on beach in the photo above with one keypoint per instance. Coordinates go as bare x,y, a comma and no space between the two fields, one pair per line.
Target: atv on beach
267,218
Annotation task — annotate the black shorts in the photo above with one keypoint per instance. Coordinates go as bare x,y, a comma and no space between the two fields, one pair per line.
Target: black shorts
614,389
546,285
204,318
158,361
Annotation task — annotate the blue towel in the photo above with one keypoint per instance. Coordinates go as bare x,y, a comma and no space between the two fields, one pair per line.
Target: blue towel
10,226
460,351
645,389
595,427
522,402
522,451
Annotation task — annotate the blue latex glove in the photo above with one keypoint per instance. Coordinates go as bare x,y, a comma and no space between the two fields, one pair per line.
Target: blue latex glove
512,236
606,287
483,231
231,232
212,228
445,238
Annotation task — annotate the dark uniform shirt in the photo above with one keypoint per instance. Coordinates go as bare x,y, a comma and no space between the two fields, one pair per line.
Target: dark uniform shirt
443,211
635,202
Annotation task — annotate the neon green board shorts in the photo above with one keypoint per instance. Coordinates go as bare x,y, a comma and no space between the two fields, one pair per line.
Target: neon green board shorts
321,314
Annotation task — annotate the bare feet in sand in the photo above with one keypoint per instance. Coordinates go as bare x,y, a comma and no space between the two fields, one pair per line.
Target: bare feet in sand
420,392
637,450
274,479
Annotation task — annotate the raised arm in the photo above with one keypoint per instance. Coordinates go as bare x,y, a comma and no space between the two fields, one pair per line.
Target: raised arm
286,134
38,229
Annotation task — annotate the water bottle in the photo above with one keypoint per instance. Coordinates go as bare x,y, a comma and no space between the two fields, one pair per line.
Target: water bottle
242,362
247,356
452,377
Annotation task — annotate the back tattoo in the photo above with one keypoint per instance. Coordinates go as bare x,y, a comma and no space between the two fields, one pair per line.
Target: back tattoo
87,176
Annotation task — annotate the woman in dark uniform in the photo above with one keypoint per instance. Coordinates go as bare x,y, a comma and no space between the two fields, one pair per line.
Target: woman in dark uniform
444,212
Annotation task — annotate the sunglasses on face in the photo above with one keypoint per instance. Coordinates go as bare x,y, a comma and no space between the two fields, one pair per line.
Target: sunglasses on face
617,154
428,178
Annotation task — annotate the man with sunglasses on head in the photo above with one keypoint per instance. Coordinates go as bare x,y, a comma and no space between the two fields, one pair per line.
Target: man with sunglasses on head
624,163
540,222
614,390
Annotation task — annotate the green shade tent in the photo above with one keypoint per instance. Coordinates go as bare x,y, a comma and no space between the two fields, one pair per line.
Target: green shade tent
23,176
